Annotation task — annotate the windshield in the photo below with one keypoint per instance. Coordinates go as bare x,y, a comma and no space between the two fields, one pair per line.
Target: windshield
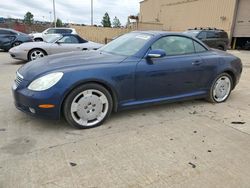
127,45
51,38
192,33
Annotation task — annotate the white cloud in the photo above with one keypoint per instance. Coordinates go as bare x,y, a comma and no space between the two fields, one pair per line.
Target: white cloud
77,11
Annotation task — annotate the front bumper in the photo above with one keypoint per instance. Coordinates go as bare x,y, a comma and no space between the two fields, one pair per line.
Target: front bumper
28,101
20,55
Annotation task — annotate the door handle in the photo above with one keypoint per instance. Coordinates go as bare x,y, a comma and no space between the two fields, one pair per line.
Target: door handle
197,62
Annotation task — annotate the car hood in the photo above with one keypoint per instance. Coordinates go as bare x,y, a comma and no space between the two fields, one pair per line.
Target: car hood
68,62
30,45
36,34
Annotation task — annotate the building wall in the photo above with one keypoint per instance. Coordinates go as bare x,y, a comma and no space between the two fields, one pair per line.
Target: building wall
180,15
24,27
100,34
150,26
150,11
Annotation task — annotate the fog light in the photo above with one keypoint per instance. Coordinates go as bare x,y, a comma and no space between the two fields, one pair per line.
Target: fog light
32,110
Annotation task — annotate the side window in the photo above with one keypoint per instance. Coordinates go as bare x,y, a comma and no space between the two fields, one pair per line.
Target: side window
67,31
174,45
223,35
3,32
212,35
63,31
202,35
11,33
198,47
69,40
51,31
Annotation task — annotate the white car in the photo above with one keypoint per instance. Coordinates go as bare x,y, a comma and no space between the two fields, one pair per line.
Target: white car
58,30
53,44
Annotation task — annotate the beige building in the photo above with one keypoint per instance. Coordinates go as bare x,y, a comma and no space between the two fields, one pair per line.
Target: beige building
232,16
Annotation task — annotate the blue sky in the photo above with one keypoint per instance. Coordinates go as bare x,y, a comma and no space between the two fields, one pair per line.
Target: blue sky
76,11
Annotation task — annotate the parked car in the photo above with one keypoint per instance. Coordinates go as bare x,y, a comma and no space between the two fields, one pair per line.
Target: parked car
214,38
246,46
10,38
53,44
58,30
136,69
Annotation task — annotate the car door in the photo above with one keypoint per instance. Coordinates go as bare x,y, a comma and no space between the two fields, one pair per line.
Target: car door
67,44
175,75
6,38
2,37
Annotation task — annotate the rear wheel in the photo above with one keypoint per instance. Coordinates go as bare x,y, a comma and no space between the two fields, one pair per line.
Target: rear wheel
87,106
221,48
221,88
36,54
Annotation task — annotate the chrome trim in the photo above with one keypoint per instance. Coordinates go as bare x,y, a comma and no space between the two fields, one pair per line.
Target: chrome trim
19,75
154,55
19,79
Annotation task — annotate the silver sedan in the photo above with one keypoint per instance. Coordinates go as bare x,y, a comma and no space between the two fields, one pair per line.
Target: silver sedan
53,44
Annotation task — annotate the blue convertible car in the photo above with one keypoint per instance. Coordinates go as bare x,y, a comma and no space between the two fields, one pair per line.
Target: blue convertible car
136,69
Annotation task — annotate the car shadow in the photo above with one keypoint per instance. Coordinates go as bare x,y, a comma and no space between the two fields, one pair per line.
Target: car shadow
17,62
160,110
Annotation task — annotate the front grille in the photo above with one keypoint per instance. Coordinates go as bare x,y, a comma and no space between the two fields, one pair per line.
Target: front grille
19,79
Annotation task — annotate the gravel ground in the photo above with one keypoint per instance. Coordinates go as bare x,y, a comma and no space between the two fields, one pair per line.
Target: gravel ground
187,144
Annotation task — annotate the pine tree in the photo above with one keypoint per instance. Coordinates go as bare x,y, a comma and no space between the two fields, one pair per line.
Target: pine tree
116,22
106,20
28,18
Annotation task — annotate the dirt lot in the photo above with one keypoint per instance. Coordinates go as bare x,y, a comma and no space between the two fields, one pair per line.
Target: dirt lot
189,144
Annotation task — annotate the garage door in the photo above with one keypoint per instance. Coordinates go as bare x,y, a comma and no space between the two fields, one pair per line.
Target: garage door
242,25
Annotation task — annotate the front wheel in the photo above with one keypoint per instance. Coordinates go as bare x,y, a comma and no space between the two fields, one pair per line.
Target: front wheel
36,54
221,88
88,106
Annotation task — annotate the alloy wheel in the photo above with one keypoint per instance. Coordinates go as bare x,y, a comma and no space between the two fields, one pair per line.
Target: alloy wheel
89,107
36,54
222,88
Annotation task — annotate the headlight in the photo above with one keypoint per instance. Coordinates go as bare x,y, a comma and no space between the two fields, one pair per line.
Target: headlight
45,82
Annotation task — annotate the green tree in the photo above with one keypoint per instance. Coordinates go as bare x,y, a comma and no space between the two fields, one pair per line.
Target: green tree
28,18
59,23
116,22
106,20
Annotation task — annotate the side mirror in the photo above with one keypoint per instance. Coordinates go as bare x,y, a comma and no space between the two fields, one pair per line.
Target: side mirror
156,53
58,42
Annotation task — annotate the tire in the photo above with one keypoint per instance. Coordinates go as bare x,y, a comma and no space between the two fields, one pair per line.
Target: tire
221,88
17,43
38,40
35,54
221,48
87,106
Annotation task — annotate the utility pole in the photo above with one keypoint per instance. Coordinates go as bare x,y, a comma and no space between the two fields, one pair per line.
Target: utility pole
50,20
92,18
54,10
